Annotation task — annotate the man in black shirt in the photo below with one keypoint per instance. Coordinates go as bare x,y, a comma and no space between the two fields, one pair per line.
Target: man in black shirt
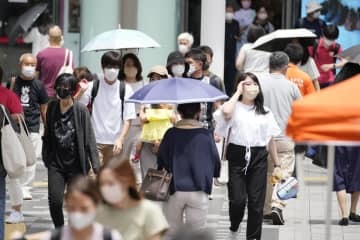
232,34
33,98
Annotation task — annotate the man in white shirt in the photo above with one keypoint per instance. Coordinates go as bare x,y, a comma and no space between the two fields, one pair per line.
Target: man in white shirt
279,95
111,123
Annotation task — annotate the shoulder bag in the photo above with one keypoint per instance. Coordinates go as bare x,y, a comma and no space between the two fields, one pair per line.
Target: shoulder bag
224,169
24,137
13,155
67,68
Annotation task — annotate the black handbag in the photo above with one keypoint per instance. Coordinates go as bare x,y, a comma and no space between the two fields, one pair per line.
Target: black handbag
156,185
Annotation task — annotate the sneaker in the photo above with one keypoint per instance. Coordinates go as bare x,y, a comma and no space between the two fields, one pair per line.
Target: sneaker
344,222
15,217
354,217
268,217
26,194
277,216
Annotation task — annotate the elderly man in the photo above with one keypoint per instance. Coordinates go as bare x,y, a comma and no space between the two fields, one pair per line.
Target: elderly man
33,98
185,42
51,59
279,95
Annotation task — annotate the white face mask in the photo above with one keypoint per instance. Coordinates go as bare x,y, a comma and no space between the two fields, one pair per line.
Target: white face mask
113,194
229,16
111,74
183,48
262,16
191,70
79,220
316,14
178,70
328,42
28,71
251,92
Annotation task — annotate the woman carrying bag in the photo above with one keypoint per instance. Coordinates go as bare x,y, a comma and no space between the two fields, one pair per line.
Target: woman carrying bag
251,137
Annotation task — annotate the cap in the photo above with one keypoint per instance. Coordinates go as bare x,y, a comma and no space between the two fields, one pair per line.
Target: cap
159,69
312,6
175,58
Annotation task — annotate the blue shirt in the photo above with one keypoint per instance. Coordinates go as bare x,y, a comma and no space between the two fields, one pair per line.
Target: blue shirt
192,157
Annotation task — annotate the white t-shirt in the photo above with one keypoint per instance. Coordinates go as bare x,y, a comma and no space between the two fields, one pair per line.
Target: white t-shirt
136,86
310,68
38,40
247,127
96,235
256,61
106,110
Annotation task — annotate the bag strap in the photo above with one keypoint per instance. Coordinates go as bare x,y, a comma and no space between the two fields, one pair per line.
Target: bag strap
122,98
70,59
107,234
94,91
23,125
225,145
66,55
5,114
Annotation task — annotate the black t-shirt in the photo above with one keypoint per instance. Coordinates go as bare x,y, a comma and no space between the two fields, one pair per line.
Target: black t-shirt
65,142
32,94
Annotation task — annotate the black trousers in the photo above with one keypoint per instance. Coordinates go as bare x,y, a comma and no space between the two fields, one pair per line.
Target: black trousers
250,188
57,181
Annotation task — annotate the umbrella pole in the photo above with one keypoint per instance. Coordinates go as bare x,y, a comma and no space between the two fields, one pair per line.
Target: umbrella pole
330,180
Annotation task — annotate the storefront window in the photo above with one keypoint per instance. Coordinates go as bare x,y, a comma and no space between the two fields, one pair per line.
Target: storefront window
74,16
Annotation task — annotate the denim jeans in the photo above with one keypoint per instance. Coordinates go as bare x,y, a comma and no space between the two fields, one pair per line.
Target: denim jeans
2,206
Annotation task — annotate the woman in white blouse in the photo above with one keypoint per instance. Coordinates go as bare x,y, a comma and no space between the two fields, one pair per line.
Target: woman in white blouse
252,128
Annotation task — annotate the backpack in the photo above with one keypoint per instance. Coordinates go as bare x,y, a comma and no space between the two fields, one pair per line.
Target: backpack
56,234
95,89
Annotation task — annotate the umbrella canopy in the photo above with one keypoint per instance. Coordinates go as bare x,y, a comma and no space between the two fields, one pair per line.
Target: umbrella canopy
25,21
277,40
351,54
331,115
120,39
178,91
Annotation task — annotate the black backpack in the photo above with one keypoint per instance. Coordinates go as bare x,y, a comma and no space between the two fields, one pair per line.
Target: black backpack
56,234
95,89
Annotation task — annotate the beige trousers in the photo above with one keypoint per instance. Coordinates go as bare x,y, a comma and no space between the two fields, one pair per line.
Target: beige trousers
286,155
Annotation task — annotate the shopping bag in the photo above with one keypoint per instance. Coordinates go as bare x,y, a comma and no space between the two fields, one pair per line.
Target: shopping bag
24,137
224,168
287,189
67,68
13,155
156,185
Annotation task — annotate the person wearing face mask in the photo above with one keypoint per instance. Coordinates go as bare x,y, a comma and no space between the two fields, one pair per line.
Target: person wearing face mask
324,53
69,146
106,95
175,64
245,16
124,208
262,19
81,200
51,59
279,95
197,61
232,34
33,98
251,128
312,19
185,41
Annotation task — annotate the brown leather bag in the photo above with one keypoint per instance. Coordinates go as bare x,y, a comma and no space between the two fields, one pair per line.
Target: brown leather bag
156,185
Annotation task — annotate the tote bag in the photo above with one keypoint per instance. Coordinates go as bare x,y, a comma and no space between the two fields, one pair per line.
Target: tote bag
24,137
224,170
156,185
67,68
13,155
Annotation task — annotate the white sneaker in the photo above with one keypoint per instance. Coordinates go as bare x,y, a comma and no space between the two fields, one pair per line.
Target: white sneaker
15,217
26,193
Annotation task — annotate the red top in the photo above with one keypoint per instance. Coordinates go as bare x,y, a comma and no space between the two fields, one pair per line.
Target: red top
322,56
10,100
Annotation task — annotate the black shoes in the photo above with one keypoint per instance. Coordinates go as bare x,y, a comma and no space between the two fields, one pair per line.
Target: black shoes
277,216
268,217
344,222
354,217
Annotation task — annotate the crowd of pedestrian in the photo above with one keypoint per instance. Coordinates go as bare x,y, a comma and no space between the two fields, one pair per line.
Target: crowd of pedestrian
93,142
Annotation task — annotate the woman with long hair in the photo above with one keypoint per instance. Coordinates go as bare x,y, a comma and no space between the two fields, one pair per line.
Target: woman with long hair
252,128
124,207
69,146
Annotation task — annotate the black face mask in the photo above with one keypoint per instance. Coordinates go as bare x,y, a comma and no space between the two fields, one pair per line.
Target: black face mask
63,93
